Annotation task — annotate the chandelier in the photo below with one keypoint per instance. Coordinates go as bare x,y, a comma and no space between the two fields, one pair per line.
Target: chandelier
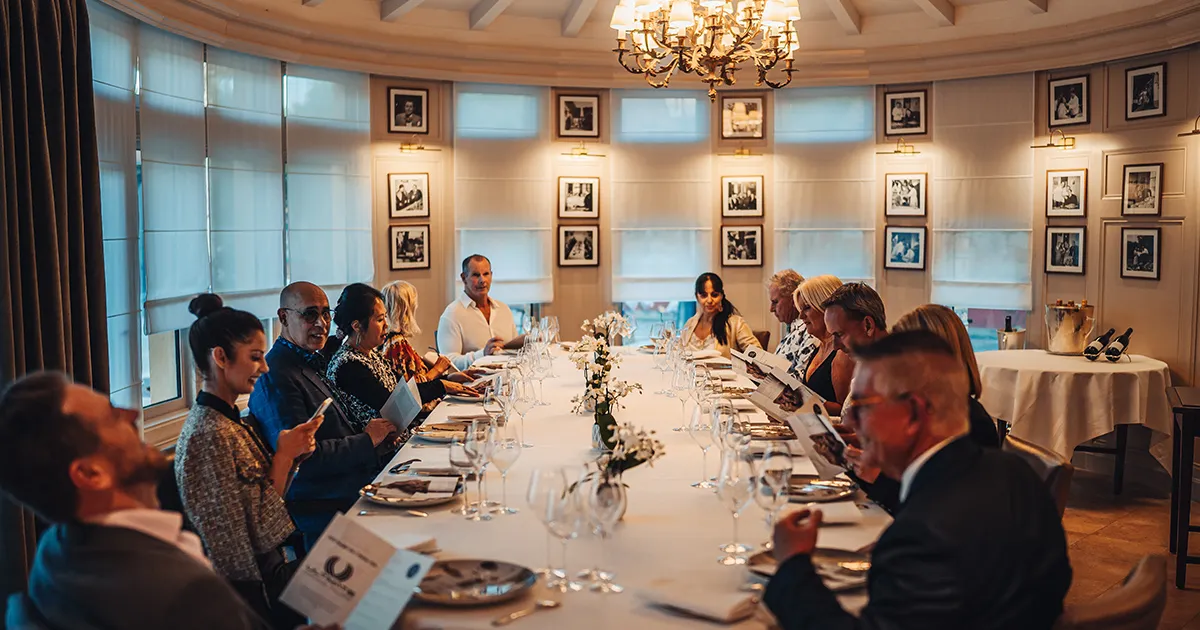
708,38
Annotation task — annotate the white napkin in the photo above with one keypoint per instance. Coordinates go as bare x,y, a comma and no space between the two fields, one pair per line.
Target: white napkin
708,603
725,375
741,404
438,487
706,354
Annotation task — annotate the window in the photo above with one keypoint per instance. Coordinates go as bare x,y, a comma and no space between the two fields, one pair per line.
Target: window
644,315
160,368
982,324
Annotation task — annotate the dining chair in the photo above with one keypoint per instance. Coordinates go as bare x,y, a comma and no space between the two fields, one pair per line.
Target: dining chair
1054,469
1137,604
764,338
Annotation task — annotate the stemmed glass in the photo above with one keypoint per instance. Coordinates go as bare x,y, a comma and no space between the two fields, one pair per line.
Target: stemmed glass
461,463
701,432
771,481
478,450
606,501
682,383
662,363
546,484
734,486
522,401
565,519
540,369
504,451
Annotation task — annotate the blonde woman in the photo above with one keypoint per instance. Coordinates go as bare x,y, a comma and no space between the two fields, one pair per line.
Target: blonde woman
400,306
945,323
829,371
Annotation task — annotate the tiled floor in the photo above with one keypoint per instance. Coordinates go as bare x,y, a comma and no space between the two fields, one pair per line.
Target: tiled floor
1107,535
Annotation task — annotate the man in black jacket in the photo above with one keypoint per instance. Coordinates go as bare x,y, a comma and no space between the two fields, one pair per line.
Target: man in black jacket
979,543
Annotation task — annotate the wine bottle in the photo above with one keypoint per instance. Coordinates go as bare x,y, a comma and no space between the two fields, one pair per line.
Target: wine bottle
1115,349
1008,323
1094,349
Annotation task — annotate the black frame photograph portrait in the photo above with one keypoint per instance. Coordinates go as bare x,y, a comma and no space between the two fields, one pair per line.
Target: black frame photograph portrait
1141,253
1066,193
408,247
1066,249
904,113
1069,102
578,197
1141,190
578,116
905,194
1146,92
408,195
895,258
742,196
742,246
400,118
746,122
578,245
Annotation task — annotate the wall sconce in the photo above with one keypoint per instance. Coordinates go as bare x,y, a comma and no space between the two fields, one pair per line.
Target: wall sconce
581,152
1067,142
1195,129
740,152
902,148
414,147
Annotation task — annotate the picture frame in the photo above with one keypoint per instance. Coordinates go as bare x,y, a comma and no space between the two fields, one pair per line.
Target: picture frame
1065,249
905,113
742,196
1141,190
1141,253
743,117
1066,193
741,246
1146,92
906,195
578,116
408,110
408,246
579,197
578,245
905,248
1070,101
408,195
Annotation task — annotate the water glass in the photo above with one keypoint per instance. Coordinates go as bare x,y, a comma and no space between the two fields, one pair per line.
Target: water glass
565,519
734,488
773,474
701,432
505,449
546,484
606,502
477,448
461,463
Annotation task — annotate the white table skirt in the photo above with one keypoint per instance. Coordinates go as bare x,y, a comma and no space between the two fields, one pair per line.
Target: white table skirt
1059,402
671,530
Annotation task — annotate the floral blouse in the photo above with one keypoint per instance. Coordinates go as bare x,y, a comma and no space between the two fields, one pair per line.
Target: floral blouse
799,347
403,357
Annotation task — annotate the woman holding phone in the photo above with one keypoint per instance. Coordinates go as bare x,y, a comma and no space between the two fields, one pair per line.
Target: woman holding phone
230,482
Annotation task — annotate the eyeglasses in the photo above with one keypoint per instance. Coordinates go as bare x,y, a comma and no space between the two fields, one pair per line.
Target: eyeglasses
311,314
854,407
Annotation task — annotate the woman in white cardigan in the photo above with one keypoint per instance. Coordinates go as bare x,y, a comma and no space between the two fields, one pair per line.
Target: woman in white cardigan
716,324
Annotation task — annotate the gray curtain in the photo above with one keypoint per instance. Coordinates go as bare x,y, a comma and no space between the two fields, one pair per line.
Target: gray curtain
52,312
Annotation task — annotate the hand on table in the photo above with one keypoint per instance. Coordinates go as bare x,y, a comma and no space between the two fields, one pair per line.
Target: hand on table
493,345
796,533
458,389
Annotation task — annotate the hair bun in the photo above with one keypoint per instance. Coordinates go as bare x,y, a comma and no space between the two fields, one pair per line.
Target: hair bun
205,304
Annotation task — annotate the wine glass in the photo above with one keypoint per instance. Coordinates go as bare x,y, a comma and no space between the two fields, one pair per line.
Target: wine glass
461,463
565,519
663,363
682,382
545,484
477,447
504,451
656,334
701,432
540,367
606,501
734,485
772,478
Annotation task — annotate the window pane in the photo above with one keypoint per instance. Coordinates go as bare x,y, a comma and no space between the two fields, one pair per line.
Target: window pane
982,324
646,314
160,367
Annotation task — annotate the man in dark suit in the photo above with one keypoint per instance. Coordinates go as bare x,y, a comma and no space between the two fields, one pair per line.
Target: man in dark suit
978,543
352,446
113,560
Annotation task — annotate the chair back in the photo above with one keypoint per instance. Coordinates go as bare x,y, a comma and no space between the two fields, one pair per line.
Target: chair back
1054,469
168,493
1135,605
764,338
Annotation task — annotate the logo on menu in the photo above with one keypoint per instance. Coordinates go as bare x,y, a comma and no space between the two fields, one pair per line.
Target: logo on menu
332,568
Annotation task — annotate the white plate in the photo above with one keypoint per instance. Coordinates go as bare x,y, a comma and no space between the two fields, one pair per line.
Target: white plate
394,498
464,399
438,436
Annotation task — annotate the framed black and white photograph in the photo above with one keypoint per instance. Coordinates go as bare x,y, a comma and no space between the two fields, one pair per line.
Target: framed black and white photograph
1146,92
904,113
578,245
578,197
408,195
742,117
1142,190
408,110
1069,102
905,248
905,195
741,196
1066,193
409,246
578,116
1064,249
1141,253
742,246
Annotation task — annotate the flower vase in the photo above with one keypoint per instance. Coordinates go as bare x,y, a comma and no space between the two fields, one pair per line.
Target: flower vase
611,484
604,429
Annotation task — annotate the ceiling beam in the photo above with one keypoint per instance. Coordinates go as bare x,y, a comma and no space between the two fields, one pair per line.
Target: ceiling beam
1036,6
577,14
486,12
941,11
392,10
847,15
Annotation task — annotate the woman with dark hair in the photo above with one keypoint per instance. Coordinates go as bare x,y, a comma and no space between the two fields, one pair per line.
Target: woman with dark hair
230,482
357,367
716,324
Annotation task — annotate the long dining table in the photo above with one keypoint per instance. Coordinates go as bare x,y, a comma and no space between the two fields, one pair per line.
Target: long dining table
667,541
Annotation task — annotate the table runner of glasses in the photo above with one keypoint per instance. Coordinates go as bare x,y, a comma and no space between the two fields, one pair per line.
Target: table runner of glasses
672,533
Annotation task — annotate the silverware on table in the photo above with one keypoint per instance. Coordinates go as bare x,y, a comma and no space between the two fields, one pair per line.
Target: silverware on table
403,466
417,513
540,604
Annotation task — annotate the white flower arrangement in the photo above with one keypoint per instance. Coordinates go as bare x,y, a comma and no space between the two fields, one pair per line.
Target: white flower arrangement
633,447
608,325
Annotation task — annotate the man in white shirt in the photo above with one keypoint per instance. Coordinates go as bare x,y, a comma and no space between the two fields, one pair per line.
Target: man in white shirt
476,325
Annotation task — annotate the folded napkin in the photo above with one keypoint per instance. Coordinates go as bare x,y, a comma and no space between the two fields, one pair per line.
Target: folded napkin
714,604
725,375
437,471
418,487
706,354
741,404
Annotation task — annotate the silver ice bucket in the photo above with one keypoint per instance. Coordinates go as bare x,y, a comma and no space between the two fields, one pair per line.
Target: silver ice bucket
1069,327
1010,339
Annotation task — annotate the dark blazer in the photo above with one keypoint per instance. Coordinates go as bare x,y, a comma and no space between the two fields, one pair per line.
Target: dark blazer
93,577
345,459
978,545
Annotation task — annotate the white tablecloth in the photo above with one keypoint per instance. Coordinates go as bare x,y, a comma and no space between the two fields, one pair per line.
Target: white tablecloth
671,530
1059,402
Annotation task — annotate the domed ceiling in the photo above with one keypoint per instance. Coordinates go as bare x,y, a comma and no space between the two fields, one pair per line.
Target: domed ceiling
569,42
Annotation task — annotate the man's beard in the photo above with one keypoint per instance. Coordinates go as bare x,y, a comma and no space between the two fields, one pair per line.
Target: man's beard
149,469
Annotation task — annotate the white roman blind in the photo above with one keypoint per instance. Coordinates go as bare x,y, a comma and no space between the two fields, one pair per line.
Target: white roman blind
174,190
328,176
662,194
114,62
824,181
245,179
503,190
982,193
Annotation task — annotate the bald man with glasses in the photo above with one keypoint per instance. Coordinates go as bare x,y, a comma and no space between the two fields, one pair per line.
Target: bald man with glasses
352,444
